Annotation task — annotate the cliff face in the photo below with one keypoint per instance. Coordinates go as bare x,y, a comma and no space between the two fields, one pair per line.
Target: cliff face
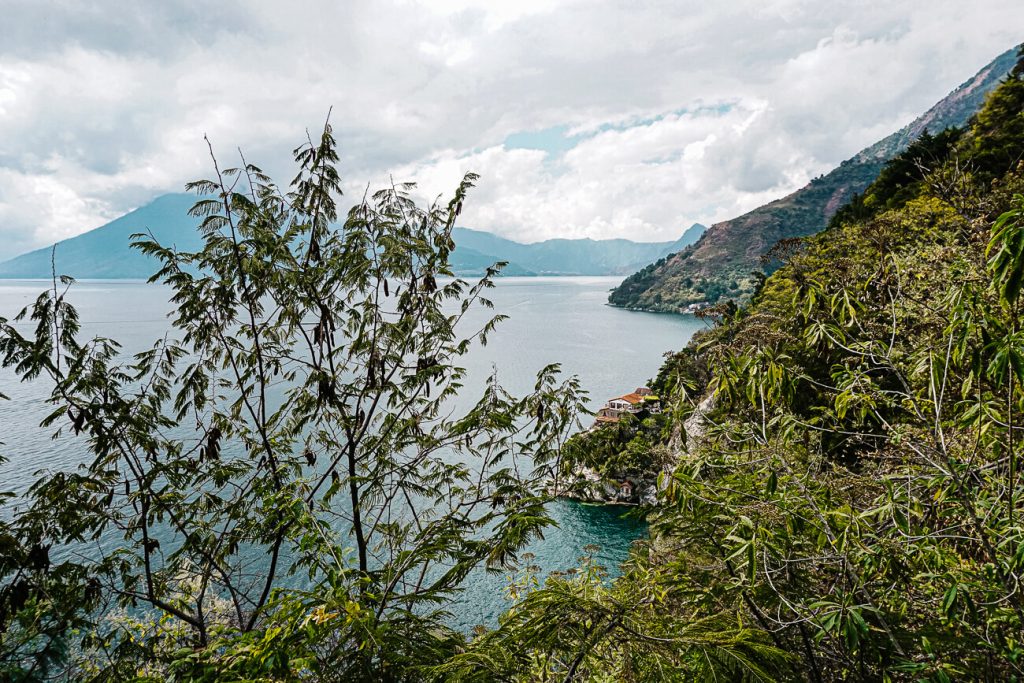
720,264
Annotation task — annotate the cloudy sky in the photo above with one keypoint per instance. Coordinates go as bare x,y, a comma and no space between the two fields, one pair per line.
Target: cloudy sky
585,118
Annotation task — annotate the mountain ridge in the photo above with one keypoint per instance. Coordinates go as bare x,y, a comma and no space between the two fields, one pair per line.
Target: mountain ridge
565,256
105,252
720,264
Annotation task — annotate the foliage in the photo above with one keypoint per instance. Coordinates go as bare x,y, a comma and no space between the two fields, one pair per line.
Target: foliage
902,178
854,488
1006,249
998,128
626,448
579,628
278,489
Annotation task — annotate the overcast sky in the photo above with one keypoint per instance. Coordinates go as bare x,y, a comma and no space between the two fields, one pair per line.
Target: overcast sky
585,119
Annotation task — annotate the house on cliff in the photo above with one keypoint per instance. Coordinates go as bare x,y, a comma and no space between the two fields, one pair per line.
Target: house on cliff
640,400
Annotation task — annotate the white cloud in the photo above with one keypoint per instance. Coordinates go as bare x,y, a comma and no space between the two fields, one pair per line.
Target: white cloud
679,112
494,15
643,182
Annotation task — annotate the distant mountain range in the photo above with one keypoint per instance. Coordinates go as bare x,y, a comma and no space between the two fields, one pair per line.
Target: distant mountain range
720,264
105,252
562,256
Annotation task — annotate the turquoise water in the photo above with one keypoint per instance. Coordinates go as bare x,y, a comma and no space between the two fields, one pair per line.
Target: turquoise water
551,320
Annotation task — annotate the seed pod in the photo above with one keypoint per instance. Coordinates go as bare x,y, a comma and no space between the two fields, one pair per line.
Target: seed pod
325,319
213,444
39,557
325,390
18,595
77,420
386,292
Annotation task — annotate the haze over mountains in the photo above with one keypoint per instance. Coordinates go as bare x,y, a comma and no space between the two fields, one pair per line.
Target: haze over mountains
720,264
105,252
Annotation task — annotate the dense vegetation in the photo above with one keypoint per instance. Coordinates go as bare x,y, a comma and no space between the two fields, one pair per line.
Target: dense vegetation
849,509
855,492
727,262
631,448
278,489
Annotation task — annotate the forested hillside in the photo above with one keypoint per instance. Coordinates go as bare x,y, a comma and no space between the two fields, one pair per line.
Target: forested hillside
847,506
722,265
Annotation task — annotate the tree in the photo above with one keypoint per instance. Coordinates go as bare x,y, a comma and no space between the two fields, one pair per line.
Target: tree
286,487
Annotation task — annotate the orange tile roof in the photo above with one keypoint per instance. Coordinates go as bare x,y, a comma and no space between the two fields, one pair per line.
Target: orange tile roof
632,397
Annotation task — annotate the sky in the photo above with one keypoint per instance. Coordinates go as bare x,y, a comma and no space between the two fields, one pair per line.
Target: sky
591,119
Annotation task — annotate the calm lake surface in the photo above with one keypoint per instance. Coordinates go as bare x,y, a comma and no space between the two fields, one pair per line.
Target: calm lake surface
551,320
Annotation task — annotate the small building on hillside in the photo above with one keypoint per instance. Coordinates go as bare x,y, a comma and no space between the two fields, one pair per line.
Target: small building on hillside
640,400
606,414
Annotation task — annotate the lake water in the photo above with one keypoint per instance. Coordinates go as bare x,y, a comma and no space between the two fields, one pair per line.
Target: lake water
551,320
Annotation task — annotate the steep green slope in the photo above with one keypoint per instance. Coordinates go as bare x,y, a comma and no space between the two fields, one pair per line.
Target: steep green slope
847,482
720,265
